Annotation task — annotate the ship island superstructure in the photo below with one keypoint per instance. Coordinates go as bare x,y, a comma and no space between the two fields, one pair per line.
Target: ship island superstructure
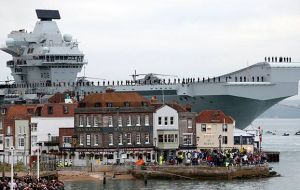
45,62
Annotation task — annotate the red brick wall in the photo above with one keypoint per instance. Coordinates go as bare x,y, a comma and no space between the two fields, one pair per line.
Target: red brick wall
65,132
58,110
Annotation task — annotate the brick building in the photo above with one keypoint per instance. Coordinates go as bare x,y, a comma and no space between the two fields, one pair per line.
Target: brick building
114,127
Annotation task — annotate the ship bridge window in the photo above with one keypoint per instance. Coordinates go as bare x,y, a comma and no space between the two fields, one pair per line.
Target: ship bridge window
30,50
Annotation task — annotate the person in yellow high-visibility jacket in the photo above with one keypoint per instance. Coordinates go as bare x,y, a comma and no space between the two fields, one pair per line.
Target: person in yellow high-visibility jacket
161,160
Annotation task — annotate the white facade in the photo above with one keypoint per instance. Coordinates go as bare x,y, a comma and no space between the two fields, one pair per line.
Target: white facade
43,128
165,128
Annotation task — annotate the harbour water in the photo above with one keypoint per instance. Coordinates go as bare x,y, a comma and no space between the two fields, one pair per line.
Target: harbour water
288,167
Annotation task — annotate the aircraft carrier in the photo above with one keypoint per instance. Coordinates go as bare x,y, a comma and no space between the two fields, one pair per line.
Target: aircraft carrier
45,62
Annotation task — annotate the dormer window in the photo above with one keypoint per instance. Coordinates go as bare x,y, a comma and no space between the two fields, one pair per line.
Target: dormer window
3,111
97,104
126,104
109,104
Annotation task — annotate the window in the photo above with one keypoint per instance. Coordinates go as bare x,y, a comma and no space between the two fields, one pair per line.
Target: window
146,120
224,139
8,131
67,140
187,139
33,140
88,140
110,121
110,139
33,127
128,138
50,110
171,138
96,140
1,139
138,120
138,138
96,121
203,127
147,138
21,141
160,138
66,109
3,111
89,121
1,126
189,123
81,121
129,121
166,120
126,104
97,104
120,139
7,143
109,104
159,120
81,140
120,121
171,120
224,128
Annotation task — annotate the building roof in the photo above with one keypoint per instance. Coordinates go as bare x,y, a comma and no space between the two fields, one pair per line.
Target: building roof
213,116
175,106
19,111
116,98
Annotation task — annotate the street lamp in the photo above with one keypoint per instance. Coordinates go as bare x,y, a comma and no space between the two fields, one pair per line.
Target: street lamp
220,138
241,142
24,159
198,139
12,167
155,139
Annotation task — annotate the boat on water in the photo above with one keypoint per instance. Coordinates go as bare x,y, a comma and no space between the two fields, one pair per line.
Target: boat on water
297,133
286,134
45,62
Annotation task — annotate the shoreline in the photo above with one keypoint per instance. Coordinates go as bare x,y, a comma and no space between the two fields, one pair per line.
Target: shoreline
71,176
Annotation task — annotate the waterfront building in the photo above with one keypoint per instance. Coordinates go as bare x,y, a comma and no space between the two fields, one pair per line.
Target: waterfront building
214,129
15,121
45,124
114,127
173,129
244,140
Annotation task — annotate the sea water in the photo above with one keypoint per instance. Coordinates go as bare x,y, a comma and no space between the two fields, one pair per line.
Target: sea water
288,167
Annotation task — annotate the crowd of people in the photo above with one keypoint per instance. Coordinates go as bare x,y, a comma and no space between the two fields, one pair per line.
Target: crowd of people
216,157
28,183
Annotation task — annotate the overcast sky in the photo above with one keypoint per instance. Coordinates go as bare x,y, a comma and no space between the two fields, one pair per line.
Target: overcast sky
188,38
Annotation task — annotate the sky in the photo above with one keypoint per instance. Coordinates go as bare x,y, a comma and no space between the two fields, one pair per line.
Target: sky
188,38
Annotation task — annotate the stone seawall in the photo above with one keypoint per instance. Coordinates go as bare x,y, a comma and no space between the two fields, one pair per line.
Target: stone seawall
202,172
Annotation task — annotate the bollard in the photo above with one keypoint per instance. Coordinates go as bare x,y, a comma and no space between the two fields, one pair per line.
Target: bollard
145,179
104,178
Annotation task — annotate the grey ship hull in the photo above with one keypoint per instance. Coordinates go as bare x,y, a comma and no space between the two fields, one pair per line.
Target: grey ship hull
243,110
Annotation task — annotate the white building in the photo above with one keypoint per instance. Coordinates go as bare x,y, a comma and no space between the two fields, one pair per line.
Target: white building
166,130
44,129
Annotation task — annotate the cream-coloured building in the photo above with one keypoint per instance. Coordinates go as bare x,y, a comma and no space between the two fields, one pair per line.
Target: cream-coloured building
214,129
